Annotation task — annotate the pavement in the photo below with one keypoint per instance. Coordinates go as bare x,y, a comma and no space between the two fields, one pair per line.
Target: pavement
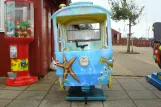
128,90
135,64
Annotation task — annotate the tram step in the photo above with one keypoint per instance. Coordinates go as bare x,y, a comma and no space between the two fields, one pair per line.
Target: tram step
152,79
159,75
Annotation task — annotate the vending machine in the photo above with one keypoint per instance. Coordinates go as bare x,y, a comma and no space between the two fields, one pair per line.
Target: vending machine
19,32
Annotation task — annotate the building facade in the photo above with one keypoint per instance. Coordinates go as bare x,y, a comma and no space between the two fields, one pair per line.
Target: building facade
41,50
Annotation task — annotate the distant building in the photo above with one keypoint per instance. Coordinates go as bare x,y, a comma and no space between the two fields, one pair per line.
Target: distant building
116,36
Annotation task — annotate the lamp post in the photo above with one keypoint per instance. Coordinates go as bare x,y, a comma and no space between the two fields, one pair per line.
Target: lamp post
148,32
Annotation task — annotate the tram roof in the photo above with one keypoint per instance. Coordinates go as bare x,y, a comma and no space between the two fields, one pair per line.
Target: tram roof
81,18
81,11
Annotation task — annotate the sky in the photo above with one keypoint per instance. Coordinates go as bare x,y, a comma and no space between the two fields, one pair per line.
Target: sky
151,14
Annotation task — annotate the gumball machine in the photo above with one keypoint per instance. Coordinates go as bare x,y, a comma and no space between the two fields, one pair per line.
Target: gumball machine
19,32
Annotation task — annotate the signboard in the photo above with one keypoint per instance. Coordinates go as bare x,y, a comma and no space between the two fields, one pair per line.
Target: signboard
18,65
13,51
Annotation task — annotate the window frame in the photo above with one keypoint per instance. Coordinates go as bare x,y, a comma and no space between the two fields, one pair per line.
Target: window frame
87,40
2,18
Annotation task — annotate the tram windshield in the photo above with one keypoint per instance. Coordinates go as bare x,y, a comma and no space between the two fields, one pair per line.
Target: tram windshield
83,32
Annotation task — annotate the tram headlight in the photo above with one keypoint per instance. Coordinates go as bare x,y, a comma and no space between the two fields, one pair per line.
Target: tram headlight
84,61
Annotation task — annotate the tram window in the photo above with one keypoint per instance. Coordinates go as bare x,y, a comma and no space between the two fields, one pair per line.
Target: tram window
84,32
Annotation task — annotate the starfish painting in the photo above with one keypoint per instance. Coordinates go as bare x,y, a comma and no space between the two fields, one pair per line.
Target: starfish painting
67,68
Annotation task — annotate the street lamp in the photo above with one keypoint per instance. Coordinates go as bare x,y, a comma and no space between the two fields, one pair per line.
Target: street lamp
148,32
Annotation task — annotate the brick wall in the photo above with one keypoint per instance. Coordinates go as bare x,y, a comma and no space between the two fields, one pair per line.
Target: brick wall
139,43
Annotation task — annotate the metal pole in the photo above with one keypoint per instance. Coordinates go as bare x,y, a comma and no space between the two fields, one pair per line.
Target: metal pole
148,32
146,23
127,39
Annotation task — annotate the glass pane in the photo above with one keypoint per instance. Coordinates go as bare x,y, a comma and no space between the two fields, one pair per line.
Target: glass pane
19,19
0,14
84,32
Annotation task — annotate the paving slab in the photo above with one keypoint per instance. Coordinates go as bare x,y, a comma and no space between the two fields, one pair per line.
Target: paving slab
2,80
146,84
150,86
119,103
4,102
137,67
126,77
142,80
119,70
148,103
9,94
115,86
157,93
39,87
116,95
49,78
89,104
146,94
127,81
147,58
45,81
51,103
2,86
56,95
32,95
24,103
114,81
19,88
134,86
50,75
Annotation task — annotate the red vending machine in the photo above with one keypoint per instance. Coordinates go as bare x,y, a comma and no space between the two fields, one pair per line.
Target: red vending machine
19,32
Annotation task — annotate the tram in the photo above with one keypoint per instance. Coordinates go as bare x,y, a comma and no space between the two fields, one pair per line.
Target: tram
83,50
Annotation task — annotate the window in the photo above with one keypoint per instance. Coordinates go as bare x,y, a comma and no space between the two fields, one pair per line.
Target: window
84,32
1,15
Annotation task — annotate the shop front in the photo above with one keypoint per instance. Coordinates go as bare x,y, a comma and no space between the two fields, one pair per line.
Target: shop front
41,49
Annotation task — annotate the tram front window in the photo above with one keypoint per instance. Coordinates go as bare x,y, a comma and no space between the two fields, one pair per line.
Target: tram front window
85,36
84,32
